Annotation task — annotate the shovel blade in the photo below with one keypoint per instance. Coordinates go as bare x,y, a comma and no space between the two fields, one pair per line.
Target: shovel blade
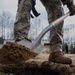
29,44
25,43
35,44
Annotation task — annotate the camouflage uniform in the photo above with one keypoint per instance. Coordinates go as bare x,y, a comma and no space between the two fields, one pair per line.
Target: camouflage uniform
54,11
22,24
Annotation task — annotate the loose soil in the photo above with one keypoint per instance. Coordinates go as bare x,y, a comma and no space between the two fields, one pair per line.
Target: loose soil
12,53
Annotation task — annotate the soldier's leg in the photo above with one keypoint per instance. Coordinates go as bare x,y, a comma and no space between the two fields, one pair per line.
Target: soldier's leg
22,24
55,11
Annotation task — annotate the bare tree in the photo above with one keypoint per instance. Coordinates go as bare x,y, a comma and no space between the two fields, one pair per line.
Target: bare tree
6,24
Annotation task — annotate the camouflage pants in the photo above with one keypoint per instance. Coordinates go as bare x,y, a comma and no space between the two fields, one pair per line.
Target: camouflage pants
54,11
22,24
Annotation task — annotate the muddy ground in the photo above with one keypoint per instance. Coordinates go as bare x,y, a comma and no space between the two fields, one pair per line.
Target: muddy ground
12,53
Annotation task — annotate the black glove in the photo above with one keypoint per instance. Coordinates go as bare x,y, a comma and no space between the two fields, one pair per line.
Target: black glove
67,2
71,8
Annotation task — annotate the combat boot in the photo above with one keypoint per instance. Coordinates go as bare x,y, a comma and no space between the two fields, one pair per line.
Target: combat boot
58,57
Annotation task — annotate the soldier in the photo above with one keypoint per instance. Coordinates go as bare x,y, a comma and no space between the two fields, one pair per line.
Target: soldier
54,11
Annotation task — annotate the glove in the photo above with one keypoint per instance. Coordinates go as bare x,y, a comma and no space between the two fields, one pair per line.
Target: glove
71,8
66,1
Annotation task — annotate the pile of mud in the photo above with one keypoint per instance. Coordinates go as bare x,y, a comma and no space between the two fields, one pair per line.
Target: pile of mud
12,53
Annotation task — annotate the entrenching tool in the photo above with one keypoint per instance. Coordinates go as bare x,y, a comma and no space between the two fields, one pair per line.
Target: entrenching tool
51,26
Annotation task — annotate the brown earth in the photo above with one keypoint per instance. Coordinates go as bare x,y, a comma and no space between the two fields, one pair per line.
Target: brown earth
12,53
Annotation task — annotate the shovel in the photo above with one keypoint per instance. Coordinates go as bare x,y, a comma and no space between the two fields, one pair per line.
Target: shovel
51,26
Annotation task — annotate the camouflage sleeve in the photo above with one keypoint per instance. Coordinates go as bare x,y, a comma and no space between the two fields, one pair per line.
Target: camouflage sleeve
67,2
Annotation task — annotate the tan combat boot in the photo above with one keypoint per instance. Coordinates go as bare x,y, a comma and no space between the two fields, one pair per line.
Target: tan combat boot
58,57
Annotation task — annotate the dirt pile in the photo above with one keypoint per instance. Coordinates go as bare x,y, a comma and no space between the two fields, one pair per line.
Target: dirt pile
13,53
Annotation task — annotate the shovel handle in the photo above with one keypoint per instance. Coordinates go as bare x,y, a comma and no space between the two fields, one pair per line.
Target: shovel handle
56,22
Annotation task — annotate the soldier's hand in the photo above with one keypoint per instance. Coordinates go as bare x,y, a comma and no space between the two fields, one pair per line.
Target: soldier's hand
71,8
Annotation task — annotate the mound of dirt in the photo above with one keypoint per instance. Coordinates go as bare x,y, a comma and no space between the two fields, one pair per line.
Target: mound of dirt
12,53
